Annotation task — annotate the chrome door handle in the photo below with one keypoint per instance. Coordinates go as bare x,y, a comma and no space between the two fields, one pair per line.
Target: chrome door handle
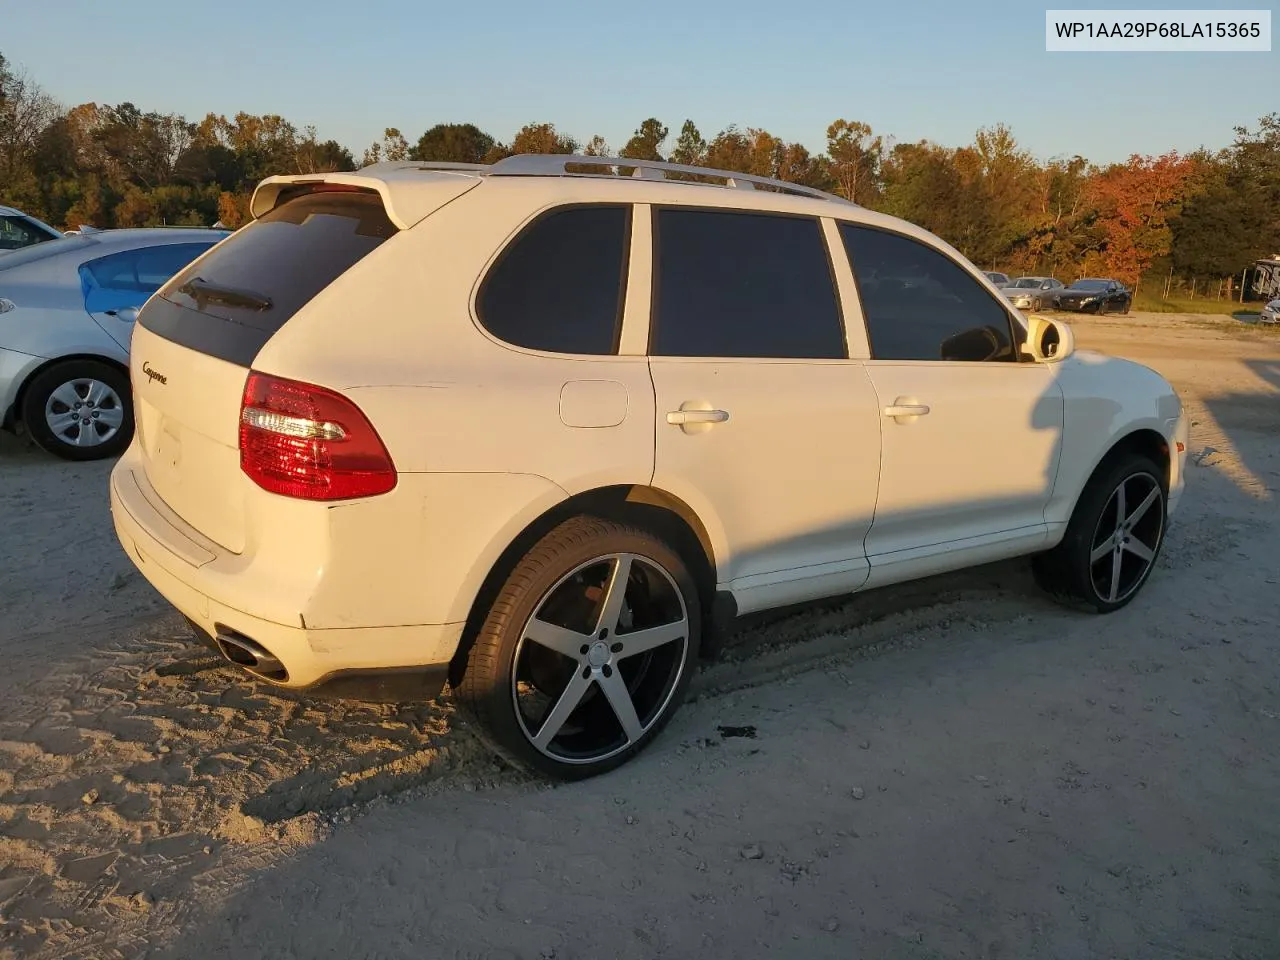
906,410
679,417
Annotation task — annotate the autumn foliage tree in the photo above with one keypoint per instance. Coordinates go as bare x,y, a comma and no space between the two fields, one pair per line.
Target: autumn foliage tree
453,143
1135,201
646,143
1232,214
1209,214
855,157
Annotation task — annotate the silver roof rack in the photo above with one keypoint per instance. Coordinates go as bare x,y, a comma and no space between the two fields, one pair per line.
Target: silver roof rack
556,165
389,166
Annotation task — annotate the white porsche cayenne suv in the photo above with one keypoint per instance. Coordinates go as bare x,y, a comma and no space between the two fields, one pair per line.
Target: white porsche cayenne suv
539,430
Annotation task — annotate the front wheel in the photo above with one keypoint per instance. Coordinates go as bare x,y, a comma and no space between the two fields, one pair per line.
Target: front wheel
79,410
587,651
1113,538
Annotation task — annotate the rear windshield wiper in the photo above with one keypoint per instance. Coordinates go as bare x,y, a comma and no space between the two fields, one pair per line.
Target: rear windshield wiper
202,291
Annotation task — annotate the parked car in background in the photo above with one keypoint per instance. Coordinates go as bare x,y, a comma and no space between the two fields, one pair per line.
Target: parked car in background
540,435
67,309
1270,313
1032,293
18,230
1094,295
999,279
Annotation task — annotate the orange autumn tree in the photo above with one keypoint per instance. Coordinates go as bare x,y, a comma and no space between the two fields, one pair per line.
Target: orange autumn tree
1135,202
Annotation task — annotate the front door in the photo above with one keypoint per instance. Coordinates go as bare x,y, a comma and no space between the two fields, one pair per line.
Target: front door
972,431
763,426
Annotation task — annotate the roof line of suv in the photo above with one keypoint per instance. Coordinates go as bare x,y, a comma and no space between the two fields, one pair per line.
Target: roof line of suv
580,165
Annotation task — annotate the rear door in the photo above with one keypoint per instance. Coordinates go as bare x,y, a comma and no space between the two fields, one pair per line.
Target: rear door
117,285
196,340
764,426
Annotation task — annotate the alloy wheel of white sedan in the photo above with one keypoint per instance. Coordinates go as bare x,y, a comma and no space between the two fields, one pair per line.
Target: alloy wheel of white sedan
79,409
84,412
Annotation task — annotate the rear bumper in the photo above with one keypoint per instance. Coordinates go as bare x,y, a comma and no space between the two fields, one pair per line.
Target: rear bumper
215,590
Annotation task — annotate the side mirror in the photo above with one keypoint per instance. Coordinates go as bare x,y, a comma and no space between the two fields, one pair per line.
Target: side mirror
1048,340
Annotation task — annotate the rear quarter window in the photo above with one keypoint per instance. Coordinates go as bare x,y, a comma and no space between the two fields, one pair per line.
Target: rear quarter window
234,300
560,285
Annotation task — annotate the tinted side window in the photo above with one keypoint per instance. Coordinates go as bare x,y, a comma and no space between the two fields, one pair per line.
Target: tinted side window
921,305
16,233
560,285
743,285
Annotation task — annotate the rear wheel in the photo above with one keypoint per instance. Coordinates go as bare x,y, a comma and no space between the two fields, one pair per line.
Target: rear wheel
1113,539
587,651
79,410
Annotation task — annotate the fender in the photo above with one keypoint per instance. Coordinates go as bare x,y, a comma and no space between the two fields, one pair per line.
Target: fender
1105,400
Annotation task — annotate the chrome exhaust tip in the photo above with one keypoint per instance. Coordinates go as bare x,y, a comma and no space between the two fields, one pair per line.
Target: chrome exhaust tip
249,655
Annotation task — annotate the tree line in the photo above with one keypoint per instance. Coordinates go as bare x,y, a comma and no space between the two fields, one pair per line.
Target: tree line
1201,215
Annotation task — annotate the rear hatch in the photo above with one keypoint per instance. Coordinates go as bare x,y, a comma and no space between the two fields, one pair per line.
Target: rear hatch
198,336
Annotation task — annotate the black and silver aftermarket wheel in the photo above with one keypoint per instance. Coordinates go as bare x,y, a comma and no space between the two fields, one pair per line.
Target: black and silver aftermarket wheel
587,651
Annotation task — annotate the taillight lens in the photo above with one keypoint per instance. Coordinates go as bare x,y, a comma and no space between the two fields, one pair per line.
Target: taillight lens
300,440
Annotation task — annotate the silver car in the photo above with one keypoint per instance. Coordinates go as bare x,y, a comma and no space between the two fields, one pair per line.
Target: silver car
1032,293
66,318
1270,313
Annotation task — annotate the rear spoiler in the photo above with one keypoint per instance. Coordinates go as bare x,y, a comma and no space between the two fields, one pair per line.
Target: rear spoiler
409,194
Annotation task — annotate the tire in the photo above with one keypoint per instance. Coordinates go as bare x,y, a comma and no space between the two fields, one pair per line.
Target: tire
49,410
580,665
1080,571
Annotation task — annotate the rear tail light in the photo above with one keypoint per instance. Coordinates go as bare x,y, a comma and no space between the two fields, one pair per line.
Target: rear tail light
303,441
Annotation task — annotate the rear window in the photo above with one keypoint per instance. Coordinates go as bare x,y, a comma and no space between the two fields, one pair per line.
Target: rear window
232,302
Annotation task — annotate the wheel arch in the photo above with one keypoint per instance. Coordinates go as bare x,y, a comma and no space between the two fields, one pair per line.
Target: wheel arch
650,508
1144,440
1141,439
13,415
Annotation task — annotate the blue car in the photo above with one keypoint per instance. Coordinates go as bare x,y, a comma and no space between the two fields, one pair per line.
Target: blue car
67,308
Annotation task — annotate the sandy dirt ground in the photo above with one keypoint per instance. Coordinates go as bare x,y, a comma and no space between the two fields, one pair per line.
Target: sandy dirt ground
954,768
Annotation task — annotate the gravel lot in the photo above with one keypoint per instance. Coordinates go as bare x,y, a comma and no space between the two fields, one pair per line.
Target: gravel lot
957,768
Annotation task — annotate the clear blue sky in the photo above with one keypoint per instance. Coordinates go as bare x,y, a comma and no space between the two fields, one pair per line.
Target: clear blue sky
912,69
